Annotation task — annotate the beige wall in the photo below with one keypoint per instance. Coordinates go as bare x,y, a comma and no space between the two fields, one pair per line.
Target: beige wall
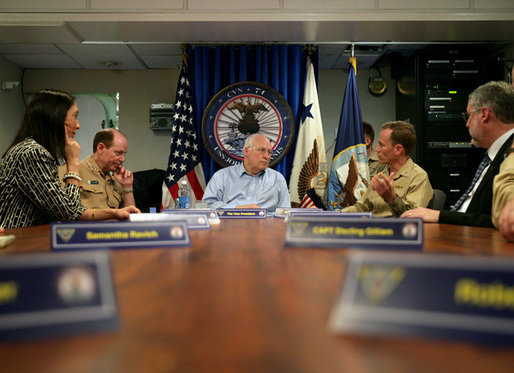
138,89
11,104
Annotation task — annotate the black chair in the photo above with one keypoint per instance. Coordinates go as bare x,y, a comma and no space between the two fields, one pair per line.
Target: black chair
438,200
148,189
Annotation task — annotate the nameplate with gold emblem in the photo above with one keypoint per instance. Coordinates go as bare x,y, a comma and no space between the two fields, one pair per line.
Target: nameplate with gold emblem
242,213
442,296
359,232
114,235
53,294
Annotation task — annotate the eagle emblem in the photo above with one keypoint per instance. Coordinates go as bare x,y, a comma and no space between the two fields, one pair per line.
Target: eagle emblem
379,282
351,183
298,227
66,234
347,192
309,171
241,109
248,124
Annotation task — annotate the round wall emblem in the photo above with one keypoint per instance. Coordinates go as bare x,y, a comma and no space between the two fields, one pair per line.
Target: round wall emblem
240,110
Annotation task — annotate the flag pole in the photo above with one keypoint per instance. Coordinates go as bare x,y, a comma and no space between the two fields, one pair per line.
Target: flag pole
353,60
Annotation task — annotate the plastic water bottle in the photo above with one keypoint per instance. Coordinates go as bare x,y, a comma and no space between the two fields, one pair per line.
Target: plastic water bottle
184,199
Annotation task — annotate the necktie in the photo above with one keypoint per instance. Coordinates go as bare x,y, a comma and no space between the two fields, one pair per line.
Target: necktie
485,162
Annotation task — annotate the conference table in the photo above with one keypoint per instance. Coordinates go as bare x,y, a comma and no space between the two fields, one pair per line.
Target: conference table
238,300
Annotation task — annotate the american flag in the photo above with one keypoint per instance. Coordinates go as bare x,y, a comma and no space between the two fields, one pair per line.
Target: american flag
184,161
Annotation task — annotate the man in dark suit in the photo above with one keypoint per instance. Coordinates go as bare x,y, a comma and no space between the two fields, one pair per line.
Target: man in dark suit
503,197
490,120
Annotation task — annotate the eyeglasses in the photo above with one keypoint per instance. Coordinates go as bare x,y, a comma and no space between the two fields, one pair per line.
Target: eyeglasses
466,115
263,150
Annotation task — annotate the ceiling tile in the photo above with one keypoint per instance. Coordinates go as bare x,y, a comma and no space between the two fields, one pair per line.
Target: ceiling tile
102,56
162,62
54,33
30,61
99,49
158,49
28,48
101,61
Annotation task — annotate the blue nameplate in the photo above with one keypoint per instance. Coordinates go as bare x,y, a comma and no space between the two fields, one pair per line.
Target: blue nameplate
196,221
348,232
328,214
53,294
242,213
442,296
282,212
86,235
212,215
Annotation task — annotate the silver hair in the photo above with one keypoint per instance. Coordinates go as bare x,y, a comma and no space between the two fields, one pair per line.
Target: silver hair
249,139
498,97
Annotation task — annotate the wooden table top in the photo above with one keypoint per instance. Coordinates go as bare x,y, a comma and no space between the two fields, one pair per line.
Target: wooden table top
237,300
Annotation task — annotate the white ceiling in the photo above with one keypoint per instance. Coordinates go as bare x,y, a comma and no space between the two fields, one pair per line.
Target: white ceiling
152,44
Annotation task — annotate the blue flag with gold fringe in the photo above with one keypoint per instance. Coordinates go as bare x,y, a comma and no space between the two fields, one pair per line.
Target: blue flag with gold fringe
349,174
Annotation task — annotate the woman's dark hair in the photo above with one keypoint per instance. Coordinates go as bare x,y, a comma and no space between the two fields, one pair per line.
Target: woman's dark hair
44,121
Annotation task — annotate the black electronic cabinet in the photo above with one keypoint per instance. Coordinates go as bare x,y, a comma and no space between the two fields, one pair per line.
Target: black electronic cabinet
432,88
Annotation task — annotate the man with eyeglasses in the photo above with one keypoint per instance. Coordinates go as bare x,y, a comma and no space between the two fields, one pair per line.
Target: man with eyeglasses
250,184
490,120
